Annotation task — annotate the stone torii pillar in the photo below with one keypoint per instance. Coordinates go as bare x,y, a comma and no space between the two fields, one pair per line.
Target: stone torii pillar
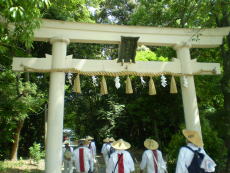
191,111
53,158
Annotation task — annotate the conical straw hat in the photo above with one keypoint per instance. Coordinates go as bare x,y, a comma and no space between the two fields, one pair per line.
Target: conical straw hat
111,139
121,145
83,141
89,138
106,140
151,144
193,137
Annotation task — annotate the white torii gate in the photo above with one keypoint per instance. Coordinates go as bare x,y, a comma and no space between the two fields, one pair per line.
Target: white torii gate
60,33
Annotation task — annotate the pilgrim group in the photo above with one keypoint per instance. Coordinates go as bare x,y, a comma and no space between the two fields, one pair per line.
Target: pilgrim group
118,160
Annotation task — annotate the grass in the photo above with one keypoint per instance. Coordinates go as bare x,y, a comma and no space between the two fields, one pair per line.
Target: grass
21,166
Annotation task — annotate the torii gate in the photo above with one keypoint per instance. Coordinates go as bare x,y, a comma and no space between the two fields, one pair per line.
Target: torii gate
60,33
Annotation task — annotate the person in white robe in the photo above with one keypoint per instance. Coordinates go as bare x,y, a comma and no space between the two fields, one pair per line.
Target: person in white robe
67,155
185,156
120,161
107,150
82,157
152,159
92,148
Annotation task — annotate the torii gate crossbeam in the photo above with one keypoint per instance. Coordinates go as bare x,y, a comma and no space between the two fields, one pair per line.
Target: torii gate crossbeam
59,33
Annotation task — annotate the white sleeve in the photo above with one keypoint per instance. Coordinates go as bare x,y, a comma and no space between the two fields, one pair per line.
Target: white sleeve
180,167
102,148
161,161
110,165
94,149
131,163
208,164
143,161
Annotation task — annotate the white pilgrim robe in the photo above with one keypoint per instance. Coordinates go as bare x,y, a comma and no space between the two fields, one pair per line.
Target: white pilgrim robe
185,157
92,148
127,161
68,165
88,159
103,147
148,162
105,153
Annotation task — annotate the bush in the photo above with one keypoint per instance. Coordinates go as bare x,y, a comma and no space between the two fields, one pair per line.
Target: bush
35,152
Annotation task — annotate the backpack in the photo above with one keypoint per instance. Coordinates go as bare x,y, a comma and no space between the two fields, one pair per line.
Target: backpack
67,154
197,159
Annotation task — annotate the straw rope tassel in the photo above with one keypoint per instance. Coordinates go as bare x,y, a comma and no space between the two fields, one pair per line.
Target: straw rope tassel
77,85
152,89
129,89
104,90
173,88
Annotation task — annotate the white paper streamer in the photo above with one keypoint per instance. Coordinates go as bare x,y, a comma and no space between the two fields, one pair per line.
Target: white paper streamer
142,81
163,81
69,77
185,81
117,82
94,78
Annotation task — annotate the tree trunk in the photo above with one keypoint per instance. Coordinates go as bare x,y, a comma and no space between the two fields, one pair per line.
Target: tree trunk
14,151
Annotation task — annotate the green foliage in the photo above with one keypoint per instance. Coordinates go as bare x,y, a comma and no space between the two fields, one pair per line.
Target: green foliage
25,16
35,152
115,11
18,100
72,10
145,54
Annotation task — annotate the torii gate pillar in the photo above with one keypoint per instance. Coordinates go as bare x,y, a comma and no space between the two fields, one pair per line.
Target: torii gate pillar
191,111
56,107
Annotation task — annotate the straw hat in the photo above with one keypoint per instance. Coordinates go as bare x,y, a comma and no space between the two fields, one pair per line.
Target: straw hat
83,142
111,139
121,145
89,138
193,137
151,144
106,140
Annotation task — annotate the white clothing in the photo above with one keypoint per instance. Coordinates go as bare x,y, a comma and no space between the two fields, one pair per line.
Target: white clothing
127,161
92,148
148,162
105,153
68,164
103,147
185,158
63,151
88,159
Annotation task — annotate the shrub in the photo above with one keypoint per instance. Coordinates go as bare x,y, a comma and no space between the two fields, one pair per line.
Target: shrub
35,152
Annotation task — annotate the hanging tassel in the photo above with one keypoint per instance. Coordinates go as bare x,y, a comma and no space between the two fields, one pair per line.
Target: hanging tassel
152,89
77,85
103,90
129,89
173,88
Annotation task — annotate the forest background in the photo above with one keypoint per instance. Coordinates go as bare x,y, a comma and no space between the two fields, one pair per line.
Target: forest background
24,96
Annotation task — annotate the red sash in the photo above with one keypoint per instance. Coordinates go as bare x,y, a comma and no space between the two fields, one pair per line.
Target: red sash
154,161
81,160
120,164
